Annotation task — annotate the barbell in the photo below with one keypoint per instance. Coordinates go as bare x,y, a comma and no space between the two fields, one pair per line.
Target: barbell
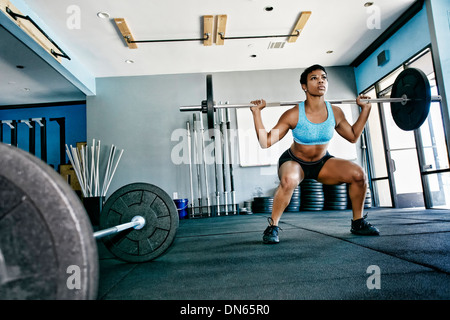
410,100
48,249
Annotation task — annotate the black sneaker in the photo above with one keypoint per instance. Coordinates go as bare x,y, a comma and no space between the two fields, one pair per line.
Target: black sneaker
363,228
271,233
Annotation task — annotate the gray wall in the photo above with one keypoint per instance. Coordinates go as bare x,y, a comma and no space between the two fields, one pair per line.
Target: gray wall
141,115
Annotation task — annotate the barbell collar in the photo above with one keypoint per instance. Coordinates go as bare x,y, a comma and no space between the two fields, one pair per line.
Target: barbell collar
191,108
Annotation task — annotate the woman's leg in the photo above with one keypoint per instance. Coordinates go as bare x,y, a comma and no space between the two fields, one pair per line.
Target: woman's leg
337,171
290,174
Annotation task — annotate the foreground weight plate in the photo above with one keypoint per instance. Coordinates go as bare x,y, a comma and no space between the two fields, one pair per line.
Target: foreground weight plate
47,250
414,84
161,222
210,102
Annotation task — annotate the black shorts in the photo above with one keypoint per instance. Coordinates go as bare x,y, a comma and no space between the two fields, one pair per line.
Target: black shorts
310,169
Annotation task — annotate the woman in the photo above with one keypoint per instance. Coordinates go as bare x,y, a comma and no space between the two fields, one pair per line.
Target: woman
313,123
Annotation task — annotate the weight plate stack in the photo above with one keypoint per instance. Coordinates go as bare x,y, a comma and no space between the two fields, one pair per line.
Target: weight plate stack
294,204
336,197
312,196
262,205
247,207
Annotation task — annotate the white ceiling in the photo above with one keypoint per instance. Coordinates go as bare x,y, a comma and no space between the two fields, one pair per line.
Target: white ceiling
25,78
339,26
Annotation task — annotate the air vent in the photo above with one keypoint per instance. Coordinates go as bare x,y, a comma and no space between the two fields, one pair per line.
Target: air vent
276,45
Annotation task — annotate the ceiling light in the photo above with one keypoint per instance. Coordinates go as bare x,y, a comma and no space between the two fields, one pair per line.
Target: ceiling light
129,61
253,56
330,51
20,67
368,4
268,9
103,15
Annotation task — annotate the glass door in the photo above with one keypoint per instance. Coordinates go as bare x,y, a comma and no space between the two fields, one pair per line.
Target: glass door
404,163
432,145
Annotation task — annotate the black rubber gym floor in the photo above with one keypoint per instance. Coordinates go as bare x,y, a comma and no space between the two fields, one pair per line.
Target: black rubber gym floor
317,258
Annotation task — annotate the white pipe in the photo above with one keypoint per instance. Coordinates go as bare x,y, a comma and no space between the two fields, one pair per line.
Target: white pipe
114,171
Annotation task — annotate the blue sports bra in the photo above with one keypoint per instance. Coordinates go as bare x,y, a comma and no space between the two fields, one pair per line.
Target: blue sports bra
309,133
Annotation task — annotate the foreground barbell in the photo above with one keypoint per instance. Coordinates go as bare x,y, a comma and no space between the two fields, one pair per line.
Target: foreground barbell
410,100
48,249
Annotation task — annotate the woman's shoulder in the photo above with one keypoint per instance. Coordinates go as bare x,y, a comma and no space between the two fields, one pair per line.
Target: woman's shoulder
290,116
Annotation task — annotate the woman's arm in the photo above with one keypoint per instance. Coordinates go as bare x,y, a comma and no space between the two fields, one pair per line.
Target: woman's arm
352,132
267,139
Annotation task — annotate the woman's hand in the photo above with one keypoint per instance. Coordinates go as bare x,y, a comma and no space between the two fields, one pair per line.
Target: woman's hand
363,104
259,105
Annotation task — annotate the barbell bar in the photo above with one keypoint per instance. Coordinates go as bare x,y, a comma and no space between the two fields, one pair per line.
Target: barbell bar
137,223
194,108
410,100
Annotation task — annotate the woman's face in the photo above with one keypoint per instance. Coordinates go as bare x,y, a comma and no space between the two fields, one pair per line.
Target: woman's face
316,83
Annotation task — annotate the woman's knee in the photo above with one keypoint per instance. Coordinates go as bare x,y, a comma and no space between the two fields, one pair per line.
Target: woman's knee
290,181
359,176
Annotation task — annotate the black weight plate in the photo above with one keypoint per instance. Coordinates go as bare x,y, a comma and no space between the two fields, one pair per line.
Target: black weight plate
414,84
256,204
307,191
47,248
312,201
311,188
262,205
261,211
311,208
309,201
335,186
313,196
336,208
297,204
263,201
161,222
335,196
336,203
262,208
312,205
310,181
336,191
210,102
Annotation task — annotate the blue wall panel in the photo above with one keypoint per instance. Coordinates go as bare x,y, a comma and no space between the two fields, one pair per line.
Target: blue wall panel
405,43
75,118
